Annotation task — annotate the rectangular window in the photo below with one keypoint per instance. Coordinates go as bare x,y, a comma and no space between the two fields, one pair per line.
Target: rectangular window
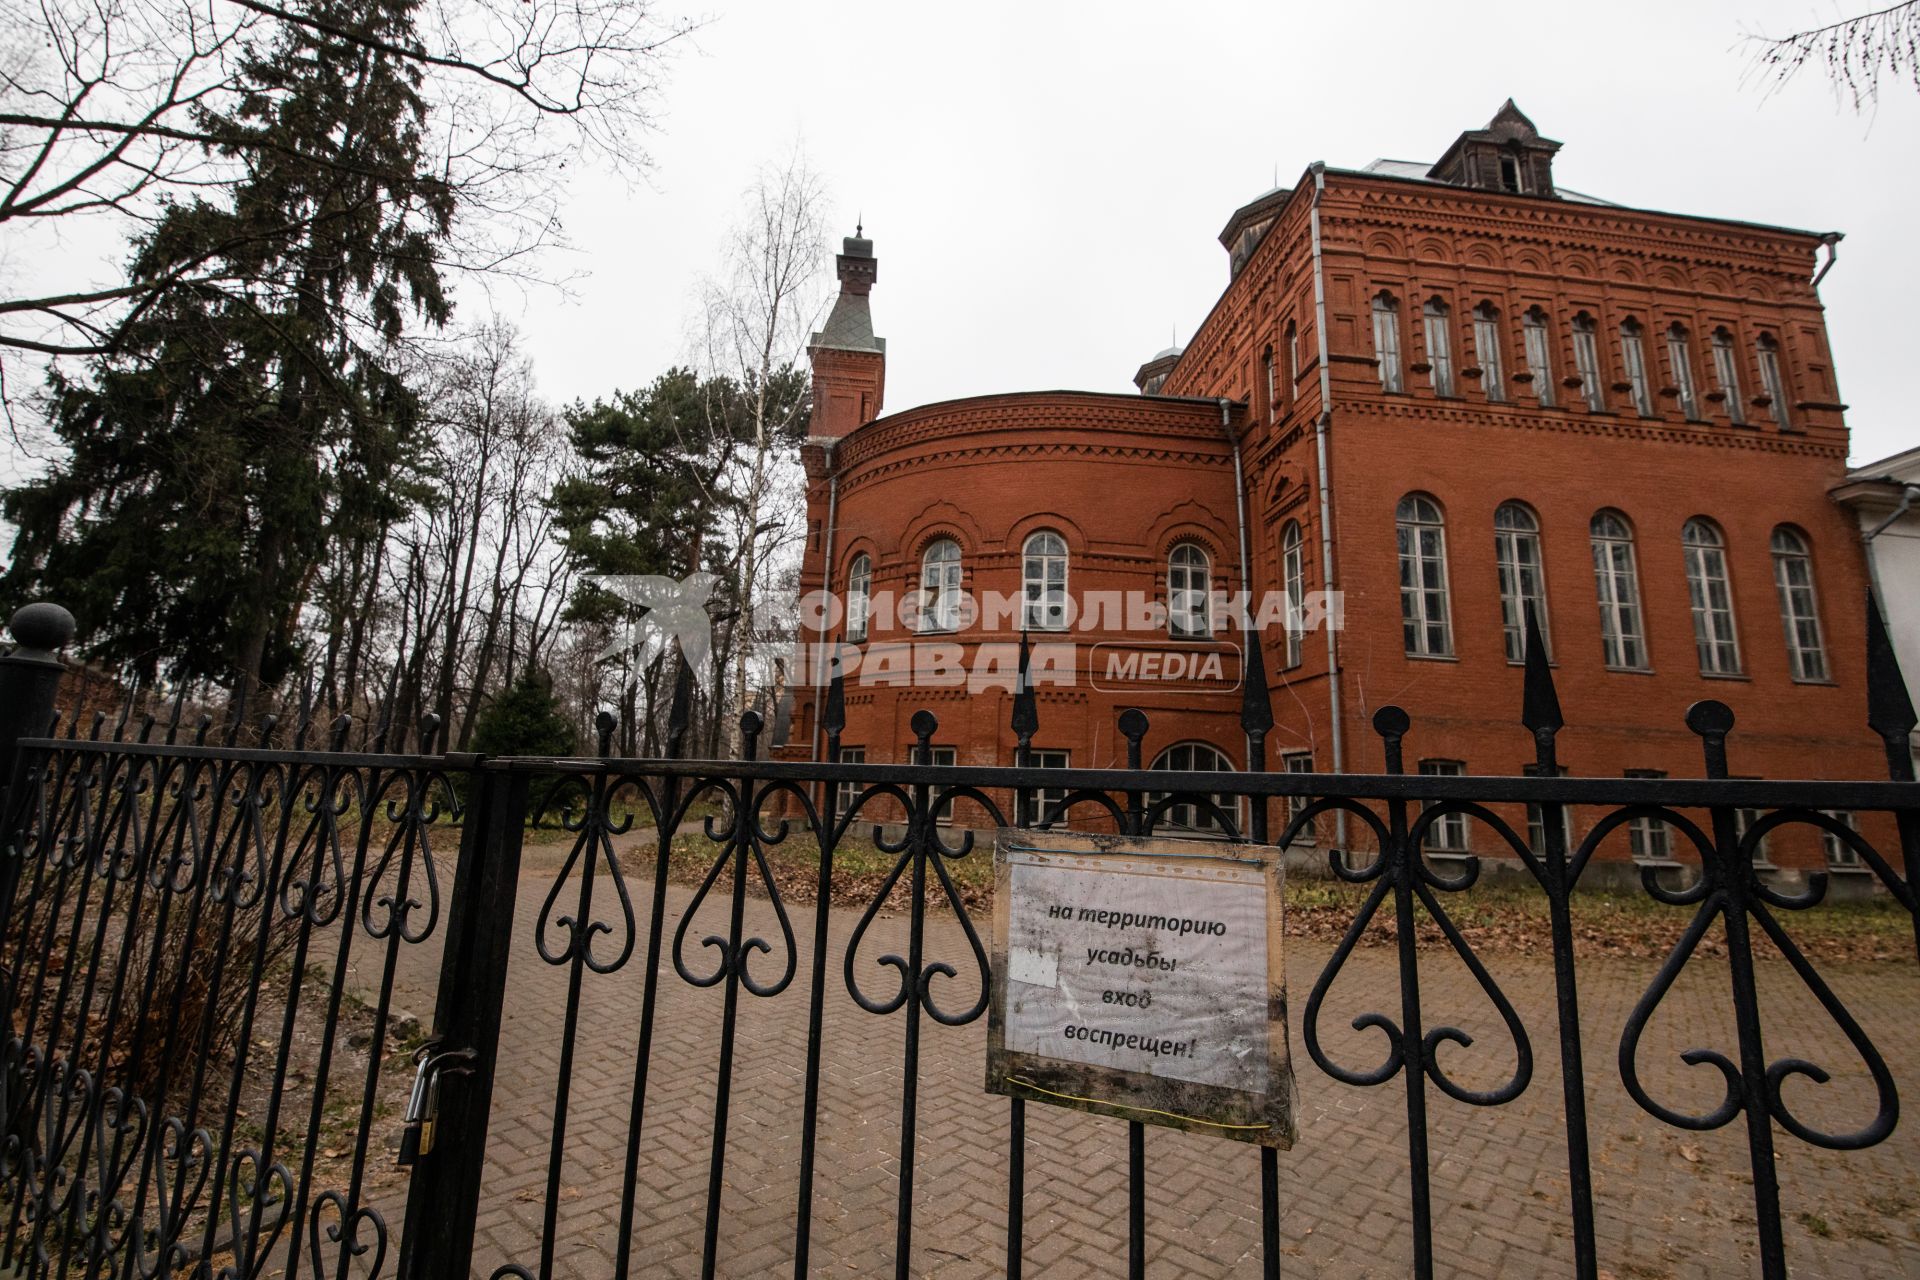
1486,349
1440,347
1726,371
1539,351
1839,853
1299,762
848,792
1586,361
1537,817
1680,356
1772,379
1633,355
1743,820
1386,342
1449,833
1042,800
1648,838
946,757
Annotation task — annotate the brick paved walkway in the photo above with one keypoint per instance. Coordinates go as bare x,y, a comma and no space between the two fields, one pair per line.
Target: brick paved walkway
1670,1204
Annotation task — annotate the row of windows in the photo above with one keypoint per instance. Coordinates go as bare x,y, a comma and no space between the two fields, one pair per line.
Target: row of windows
1044,607
1648,838
1590,354
1426,613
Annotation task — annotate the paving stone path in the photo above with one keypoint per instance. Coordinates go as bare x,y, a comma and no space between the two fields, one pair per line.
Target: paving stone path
1670,1204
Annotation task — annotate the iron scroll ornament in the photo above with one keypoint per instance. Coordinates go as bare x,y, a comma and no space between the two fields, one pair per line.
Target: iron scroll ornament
1730,890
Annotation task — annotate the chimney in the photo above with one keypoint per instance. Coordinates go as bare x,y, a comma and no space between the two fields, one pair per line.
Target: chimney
849,363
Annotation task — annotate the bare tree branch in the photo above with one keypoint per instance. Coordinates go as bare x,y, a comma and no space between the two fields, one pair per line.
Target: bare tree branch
1855,52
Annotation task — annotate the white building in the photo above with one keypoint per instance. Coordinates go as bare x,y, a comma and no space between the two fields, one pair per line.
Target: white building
1885,497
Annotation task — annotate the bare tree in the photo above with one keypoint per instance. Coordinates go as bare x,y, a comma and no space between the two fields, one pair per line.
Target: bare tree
1855,52
110,108
756,322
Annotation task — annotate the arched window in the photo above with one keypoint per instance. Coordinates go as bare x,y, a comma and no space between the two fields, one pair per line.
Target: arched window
1293,572
1539,351
1045,579
1726,371
1439,330
859,597
940,587
1773,379
1516,545
1586,362
1633,358
1270,377
1711,597
1424,618
1616,580
1186,815
1680,356
1486,350
1189,593
1386,341
1793,579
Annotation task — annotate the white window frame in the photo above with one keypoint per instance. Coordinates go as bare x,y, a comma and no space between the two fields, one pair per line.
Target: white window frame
1521,561
845,793
1043,582
1437,317
1680,356
859,597
940,577
1536,341
1426,622
1486,350
1449,835
1649,839
1537,816
1185,757
1841,856
1189,576
1386,341
1616,577
1799,605
1042,799
1633,358
1766,350
1293,577
1586,362
945,757
1299,762
1726,372
1716,638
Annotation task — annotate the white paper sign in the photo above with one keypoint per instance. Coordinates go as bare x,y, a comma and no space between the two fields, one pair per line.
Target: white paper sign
1142,965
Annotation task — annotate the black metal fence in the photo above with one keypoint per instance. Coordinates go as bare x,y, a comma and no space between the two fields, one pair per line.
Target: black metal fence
183,1092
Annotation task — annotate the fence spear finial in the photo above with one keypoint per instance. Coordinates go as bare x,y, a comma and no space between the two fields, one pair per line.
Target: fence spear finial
1540,703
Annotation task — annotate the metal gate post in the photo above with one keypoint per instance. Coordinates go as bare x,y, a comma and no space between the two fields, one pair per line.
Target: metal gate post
29,677
443,1197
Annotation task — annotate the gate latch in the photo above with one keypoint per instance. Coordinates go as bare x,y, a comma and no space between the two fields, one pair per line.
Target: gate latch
423,1103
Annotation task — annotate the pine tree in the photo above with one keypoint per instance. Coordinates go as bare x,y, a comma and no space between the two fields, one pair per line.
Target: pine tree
247,416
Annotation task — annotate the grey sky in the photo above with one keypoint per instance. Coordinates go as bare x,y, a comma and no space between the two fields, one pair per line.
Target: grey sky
1044,182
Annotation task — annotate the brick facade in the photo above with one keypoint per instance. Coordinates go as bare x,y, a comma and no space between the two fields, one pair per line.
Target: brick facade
1125,479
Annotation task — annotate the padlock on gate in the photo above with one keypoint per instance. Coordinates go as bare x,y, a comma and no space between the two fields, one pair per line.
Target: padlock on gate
423,1102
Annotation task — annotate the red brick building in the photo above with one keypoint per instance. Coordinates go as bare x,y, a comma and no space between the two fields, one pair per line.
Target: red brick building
1436,392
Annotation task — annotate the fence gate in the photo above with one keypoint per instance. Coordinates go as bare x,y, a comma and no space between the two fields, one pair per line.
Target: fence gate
213,932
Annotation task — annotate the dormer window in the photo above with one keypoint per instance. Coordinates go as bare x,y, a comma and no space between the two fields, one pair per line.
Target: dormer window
1510,175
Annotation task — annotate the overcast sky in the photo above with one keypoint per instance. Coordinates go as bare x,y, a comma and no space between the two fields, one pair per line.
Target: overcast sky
1044,182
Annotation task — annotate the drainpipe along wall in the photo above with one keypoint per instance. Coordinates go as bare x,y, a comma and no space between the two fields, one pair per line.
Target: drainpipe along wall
826,585
1321,427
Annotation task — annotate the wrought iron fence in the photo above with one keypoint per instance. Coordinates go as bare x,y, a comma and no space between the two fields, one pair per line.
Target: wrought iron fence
152,872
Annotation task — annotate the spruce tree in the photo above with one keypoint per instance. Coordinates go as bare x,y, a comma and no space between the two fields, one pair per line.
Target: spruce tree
246,416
